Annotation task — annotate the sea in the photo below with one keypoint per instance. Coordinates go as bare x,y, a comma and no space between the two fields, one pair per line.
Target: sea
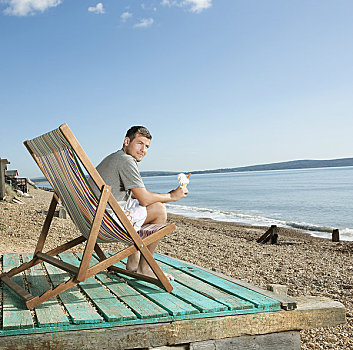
315,200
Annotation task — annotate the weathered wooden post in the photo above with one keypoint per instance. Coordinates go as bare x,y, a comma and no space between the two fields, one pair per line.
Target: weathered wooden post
270,234
3,163
335,235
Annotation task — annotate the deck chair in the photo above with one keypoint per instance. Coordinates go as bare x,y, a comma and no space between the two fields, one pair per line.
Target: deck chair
60,157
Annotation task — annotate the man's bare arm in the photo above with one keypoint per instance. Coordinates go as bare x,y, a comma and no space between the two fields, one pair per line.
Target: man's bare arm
147,198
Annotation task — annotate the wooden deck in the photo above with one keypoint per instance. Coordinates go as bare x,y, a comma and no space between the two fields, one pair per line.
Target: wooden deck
110,300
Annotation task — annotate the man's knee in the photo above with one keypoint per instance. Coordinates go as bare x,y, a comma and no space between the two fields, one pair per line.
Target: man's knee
162,211
157,212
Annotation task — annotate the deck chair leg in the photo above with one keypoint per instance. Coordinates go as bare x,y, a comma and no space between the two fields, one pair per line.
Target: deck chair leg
99,252
92,239
43,235
32,303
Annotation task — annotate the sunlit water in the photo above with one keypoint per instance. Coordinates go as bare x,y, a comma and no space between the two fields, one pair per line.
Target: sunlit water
312,199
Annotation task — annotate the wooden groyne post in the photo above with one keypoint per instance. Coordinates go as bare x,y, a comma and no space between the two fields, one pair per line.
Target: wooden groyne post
270,234
335,235
3,166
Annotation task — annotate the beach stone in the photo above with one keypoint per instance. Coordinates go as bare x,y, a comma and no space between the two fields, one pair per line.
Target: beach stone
278,288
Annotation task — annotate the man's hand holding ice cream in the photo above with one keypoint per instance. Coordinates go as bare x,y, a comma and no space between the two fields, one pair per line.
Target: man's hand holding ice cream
181,191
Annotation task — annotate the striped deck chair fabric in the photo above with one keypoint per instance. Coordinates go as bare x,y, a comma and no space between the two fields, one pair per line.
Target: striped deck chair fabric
63,170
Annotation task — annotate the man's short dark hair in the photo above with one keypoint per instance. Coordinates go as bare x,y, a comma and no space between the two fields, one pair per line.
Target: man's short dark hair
131,133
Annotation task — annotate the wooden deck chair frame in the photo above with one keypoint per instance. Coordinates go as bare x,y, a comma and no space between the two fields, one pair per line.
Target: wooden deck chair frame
84,271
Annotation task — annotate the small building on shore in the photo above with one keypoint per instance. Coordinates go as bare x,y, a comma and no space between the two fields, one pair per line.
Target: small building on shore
10,177
12,174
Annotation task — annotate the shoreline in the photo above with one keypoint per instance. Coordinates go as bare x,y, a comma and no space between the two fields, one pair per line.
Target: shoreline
315,230
313,266
294,227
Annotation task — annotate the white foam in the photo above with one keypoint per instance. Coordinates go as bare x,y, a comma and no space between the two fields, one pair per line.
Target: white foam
256,220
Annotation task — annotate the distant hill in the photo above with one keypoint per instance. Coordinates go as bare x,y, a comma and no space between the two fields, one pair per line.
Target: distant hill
294,164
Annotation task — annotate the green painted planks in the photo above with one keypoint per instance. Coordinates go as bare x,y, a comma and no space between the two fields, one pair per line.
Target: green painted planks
111,308
143,307
123,300
15,313
50,312
75,303
201,302
260,301
174,305
202,296
216,298
171,303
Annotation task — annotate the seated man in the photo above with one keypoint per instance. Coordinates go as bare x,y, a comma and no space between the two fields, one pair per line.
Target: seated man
119,170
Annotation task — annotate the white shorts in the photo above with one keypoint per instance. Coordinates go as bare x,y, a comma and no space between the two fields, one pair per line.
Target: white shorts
135,212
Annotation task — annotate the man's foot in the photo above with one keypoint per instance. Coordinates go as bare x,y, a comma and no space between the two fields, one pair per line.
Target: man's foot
149,273
133,262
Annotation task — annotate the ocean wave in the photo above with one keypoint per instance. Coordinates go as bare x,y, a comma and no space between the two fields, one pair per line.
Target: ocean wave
309,227
221,215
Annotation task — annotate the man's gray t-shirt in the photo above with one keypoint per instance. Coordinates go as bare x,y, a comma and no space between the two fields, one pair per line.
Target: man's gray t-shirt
119,170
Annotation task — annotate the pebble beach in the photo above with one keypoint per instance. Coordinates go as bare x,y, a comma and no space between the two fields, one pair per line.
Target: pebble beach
308,266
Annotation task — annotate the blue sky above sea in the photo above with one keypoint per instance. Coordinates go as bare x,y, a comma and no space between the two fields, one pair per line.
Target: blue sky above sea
218,83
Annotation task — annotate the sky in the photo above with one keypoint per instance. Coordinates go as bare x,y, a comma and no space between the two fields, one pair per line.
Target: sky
219,83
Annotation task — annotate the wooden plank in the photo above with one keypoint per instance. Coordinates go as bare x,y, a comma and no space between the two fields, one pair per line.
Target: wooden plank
49,312
111,308
75,303
170,302
143,307
287,303
279,341
201,295
260,301
213,296
58,263
201,302
15,313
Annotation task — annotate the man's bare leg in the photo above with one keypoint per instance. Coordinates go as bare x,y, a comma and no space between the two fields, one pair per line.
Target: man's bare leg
133,262
156,214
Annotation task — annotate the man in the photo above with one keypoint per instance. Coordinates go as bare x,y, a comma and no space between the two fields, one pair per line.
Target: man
120,171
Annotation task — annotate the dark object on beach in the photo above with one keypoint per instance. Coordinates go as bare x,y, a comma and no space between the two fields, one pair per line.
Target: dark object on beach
274,238
3,167
289,242
59,213
335,235
270,234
